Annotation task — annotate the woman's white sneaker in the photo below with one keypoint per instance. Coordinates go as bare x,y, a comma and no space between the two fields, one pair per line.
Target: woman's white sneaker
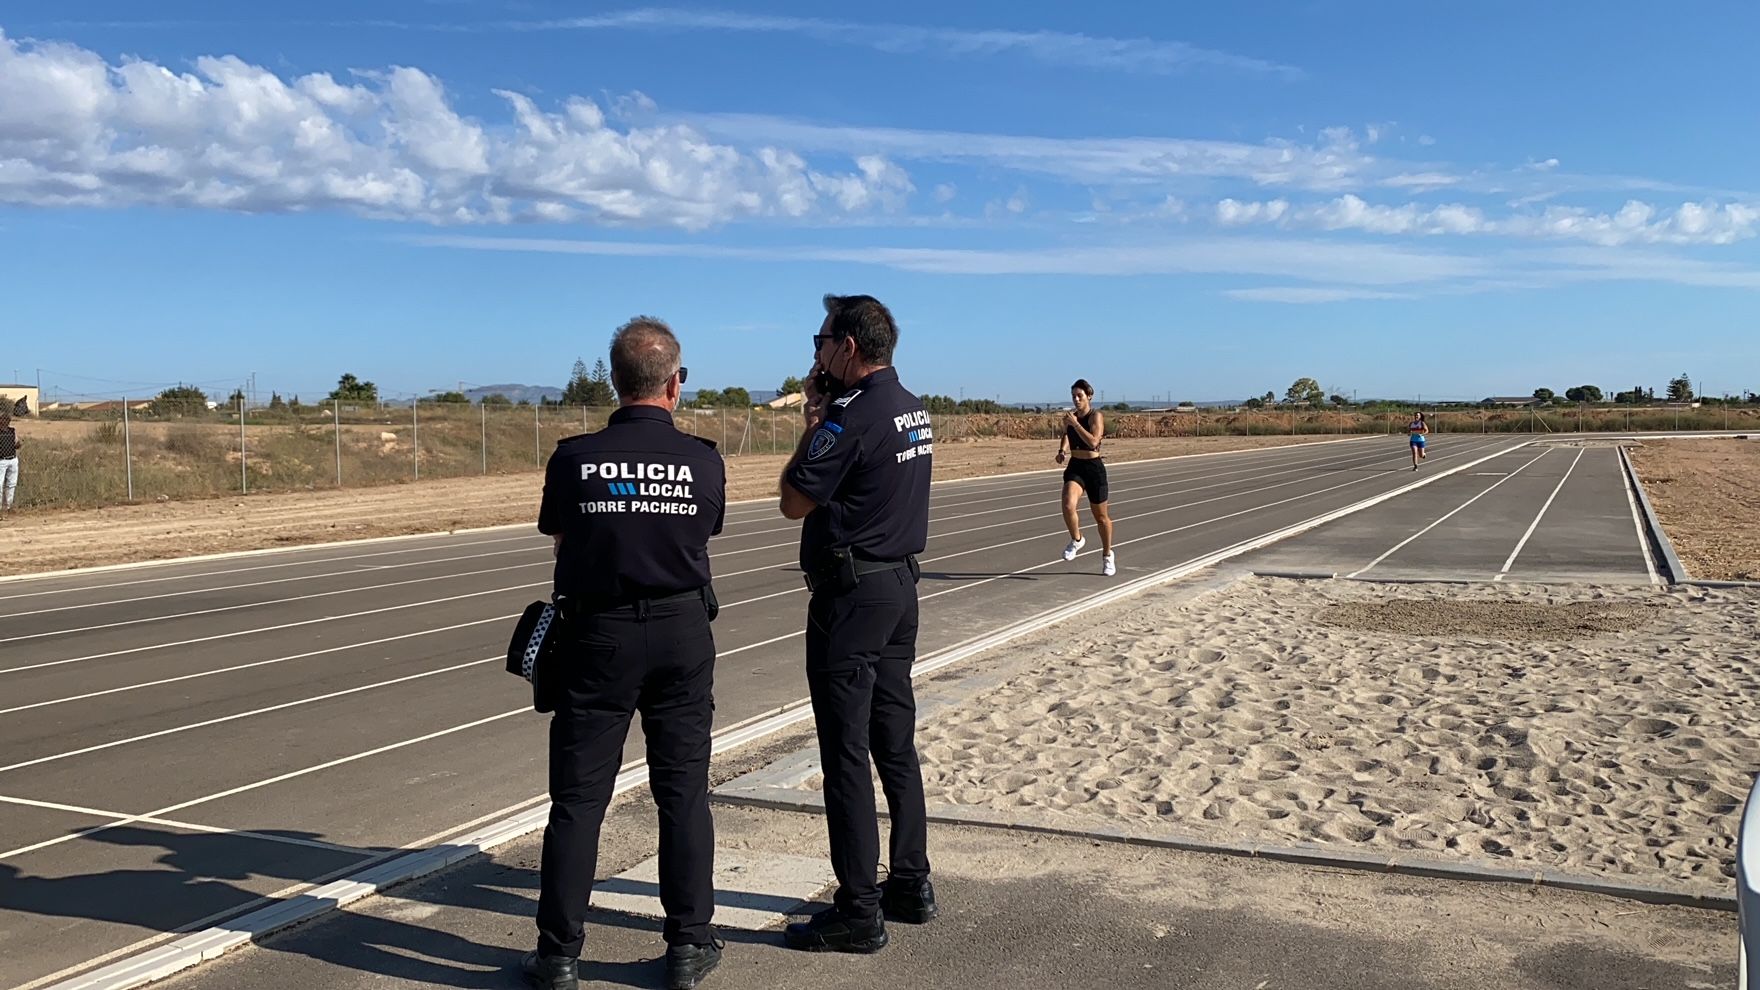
1110,565
1074,547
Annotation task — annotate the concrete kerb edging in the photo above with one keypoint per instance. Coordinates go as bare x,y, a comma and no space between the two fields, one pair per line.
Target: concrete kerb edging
264,551
198,947
777,798
1677,572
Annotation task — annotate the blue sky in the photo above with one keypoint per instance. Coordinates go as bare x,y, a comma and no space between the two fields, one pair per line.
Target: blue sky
1196,201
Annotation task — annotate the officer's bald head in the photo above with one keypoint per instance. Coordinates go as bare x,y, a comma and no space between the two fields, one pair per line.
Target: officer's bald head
644,355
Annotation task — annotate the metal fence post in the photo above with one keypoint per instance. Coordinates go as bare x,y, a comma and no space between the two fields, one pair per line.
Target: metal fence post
336,412
537,444
127,450
415,435
485,411
244,480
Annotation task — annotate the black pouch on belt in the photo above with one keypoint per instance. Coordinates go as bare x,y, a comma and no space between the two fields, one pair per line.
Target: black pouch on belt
711,604
834,572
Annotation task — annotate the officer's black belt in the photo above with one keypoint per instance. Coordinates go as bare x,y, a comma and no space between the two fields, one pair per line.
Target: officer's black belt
574,608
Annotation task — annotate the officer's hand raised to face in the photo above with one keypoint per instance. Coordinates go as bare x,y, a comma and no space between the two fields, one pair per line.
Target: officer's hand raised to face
813,412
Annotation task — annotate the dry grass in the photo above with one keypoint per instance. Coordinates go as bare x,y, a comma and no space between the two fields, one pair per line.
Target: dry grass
1707,496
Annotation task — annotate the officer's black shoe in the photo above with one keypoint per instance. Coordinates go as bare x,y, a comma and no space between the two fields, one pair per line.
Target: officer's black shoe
831,931
550,972
911,903
686,965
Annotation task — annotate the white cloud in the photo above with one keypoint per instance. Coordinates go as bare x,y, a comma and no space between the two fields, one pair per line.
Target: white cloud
1544,166
78,131
1138,55
1335,163
1634,223
1304,294
1426,140
945,192
1331,262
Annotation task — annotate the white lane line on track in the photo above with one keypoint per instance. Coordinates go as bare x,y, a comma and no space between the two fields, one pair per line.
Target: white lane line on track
245,788
1517,552
272,628
304,578
186,826
958,588
238,715
1451,514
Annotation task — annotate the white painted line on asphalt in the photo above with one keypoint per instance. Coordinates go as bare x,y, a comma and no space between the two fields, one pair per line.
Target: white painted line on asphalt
1517,552
275,628
120,818
267,601
212,942
1408,540
1637,520
232,555
255,785
303,578
534,539
197,675
238,715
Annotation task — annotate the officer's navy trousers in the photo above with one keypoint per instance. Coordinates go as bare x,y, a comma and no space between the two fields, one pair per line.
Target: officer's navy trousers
860,647
660,662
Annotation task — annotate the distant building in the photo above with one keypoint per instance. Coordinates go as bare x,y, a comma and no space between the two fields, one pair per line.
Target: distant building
788,401
20,400
1511,400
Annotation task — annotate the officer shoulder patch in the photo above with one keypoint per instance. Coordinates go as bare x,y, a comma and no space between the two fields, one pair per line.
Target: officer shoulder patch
847,398
705,441
822,442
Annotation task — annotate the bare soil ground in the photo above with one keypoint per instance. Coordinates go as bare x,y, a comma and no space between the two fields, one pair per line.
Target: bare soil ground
1707,496
47,540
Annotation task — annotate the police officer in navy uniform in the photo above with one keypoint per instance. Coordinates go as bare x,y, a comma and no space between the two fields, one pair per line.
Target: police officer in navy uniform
860,479
632,508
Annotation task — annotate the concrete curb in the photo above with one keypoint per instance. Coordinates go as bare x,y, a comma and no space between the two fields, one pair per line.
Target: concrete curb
1303,854
1677,572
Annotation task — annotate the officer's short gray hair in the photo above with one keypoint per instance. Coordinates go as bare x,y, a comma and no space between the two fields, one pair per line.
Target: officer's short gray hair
644,353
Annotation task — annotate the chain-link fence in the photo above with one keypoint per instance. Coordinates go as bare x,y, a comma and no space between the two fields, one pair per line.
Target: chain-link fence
130,451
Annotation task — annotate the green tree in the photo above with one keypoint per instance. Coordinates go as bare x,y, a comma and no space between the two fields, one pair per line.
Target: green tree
1255,403
599,392
351,389
236,398
707,398
936,405
451,398
575,392
1544,395
1583,393
276,402
1338,400
1305,390
497,399
179,400
790,386
735,397
1680,389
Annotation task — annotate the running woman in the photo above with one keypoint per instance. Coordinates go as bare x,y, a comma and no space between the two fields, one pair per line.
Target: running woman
1417,428
1086,472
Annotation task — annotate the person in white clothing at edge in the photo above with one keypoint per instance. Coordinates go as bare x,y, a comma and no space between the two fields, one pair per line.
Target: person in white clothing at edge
1083,430
9,444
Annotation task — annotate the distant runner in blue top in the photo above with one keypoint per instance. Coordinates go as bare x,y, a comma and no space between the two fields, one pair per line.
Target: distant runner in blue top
1418,430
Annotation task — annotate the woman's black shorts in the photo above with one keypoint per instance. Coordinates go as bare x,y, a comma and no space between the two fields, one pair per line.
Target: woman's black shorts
1091,475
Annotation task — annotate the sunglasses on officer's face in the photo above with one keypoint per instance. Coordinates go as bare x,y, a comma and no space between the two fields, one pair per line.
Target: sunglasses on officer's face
683,373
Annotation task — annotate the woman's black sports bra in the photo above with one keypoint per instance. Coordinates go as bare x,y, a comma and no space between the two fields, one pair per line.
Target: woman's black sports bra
1075,439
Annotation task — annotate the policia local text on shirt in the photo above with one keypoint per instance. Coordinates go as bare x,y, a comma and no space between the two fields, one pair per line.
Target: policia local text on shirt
632,508
860,478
